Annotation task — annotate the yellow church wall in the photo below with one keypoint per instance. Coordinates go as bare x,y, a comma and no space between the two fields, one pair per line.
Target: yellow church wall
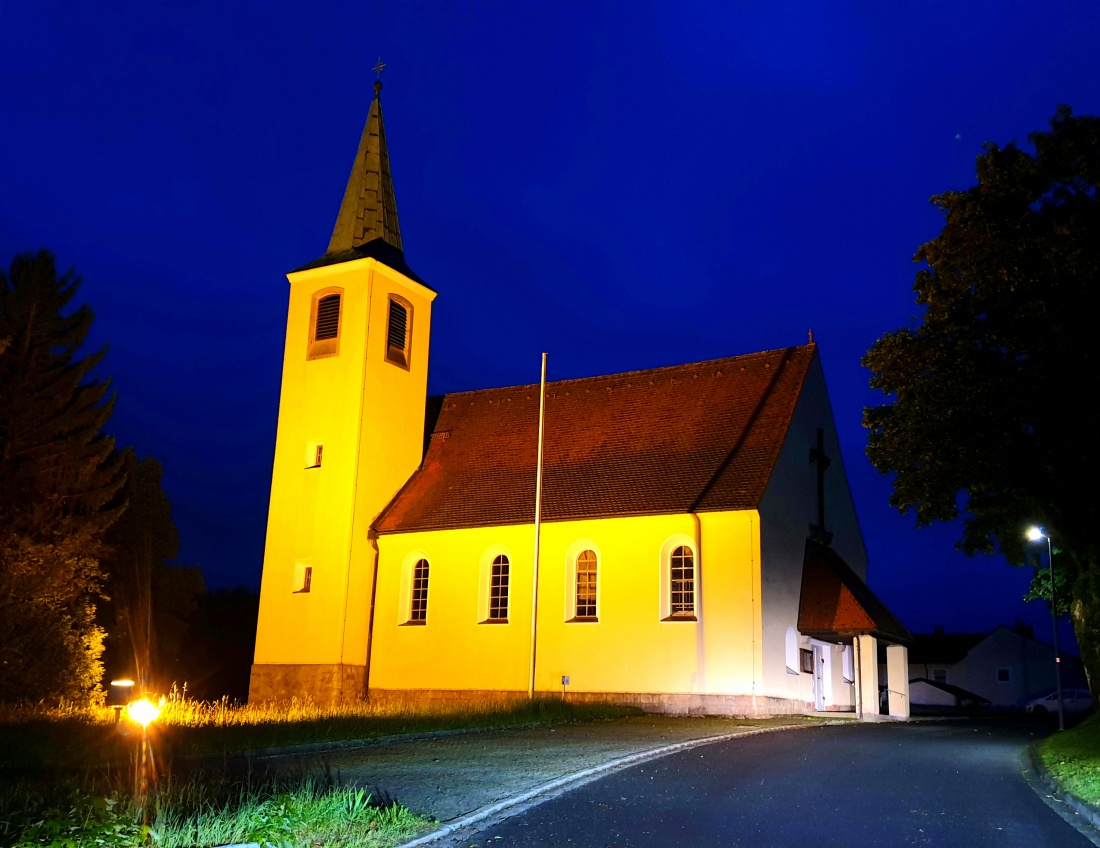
629,649
368,414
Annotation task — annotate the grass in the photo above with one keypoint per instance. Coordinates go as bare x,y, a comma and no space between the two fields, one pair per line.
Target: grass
66,773
37,738
1073,759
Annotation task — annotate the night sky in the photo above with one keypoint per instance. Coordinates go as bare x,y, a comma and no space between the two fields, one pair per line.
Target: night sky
623,185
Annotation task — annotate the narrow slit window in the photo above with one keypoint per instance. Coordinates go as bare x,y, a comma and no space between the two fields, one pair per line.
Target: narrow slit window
419,610
682,583
397,334
586,585
498,589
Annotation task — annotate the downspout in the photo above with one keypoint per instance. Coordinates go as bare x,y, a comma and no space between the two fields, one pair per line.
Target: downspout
752,613
372,537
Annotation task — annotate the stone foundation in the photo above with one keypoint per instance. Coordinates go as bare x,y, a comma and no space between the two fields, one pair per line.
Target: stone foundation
741,706
324,684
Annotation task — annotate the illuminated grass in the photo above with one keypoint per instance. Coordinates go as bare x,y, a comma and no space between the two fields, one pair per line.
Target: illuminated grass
1073,759
37,738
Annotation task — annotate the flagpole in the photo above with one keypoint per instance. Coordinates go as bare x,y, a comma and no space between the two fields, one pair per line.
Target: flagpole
538,529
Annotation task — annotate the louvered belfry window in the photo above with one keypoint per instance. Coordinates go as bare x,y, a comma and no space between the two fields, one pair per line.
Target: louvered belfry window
328,318
397,334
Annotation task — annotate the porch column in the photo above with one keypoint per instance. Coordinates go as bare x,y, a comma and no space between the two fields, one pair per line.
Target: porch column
867,656
897,680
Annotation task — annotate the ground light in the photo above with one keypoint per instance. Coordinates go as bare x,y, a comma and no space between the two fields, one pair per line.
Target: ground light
1034,534
144,712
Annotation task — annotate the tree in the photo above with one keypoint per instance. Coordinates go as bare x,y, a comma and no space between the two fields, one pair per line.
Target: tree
57,479
149,603
991,415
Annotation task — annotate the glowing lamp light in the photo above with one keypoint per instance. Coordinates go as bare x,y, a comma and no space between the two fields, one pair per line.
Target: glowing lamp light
1034,534
143,712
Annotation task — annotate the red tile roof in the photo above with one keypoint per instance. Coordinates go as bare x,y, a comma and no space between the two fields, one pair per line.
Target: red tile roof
702,437
836,604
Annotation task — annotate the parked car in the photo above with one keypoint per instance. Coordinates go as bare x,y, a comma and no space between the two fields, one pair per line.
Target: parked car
1073,700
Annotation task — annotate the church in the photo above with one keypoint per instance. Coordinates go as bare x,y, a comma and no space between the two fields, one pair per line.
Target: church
682,539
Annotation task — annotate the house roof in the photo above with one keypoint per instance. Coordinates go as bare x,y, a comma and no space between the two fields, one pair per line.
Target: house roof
698,437
942,648
836,604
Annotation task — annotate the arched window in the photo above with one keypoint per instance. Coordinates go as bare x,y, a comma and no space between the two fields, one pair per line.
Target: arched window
324,323
681,589
498,589
398,332
418,608
585,594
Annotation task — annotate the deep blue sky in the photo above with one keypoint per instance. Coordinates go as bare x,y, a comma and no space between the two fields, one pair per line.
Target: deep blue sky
625,186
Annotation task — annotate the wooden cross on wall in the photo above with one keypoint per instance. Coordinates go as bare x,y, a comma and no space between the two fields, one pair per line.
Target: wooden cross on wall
818,457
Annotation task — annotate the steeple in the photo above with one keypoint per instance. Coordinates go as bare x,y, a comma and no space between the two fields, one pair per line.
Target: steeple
369,208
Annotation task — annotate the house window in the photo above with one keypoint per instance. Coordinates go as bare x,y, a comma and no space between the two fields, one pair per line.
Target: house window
313,454
682,583
585,607
419,608
1004,675
324,323
807,660
398,332
303,576
498,589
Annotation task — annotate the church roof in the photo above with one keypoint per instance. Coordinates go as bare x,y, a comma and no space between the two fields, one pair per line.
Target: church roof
836,604
698,437
369,208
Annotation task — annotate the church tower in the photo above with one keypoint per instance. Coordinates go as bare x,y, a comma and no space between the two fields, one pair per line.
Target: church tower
350,434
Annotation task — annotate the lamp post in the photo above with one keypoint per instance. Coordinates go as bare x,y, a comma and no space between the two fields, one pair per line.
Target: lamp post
143,712
1034,534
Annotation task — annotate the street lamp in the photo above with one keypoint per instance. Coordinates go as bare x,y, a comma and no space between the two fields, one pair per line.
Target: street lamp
1034,534
143,712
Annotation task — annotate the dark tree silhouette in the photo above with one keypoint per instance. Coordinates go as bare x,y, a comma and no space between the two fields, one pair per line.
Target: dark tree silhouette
57,479
149,602
992,415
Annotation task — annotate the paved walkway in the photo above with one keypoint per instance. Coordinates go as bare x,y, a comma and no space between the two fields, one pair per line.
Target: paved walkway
460,779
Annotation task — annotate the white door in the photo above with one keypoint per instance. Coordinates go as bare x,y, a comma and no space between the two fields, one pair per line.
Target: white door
819,679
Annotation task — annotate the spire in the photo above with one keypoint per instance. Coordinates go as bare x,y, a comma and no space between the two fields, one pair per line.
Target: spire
369,209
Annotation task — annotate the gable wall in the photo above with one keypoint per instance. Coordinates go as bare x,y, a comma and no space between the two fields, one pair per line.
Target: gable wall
787,510
630,649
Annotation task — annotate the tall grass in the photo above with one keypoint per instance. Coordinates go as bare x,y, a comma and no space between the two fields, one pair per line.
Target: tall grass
67,773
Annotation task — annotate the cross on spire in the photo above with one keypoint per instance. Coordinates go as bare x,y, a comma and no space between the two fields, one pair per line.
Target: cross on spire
379,67
818,457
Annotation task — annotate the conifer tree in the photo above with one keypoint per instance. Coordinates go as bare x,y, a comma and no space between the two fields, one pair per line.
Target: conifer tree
58,476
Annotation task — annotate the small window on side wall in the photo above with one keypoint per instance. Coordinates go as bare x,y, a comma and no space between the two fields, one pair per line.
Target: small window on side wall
399,332
324,323
303,576
314,450
807,660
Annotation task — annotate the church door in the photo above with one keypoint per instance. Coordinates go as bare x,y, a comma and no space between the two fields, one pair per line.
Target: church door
819,678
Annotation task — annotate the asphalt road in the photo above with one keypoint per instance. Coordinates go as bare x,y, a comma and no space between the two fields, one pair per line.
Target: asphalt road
951,784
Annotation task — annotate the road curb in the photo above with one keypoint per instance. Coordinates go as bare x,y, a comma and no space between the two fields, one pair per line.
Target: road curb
561,784
1057,792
